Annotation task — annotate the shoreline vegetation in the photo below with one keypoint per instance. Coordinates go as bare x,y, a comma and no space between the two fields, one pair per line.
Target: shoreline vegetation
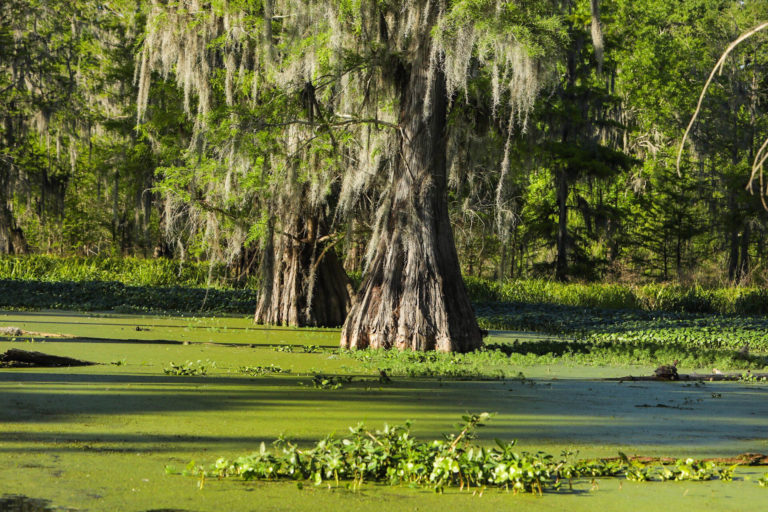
131,284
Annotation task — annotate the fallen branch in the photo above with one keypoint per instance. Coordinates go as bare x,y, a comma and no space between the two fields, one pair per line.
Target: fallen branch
15,358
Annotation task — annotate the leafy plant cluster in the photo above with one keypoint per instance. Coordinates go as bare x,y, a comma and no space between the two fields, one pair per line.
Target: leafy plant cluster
190,368
322,381
485,364
633,336
681,469
393,456
748,376
499,361
263,370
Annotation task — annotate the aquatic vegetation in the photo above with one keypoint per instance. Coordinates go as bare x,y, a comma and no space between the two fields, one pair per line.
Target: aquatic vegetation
263,370
189,368
393,456
680,470
321,381
748,376
484,365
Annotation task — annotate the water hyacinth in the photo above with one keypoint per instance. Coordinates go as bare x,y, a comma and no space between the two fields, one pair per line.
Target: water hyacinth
393,456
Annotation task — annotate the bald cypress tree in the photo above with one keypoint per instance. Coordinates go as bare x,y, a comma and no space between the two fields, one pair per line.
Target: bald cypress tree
336,104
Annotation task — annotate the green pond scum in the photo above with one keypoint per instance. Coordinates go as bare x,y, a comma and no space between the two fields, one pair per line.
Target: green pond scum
100,437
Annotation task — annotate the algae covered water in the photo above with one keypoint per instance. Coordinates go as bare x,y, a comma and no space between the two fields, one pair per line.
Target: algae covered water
99,437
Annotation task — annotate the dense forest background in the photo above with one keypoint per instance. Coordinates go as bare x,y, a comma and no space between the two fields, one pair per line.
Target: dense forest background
588,189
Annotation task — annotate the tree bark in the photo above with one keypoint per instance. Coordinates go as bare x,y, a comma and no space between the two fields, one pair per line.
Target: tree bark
413,296
561,264
733,238
744,263
305,283
12,240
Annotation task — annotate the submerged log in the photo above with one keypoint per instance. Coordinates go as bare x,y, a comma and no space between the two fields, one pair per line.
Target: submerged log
709,377
23,358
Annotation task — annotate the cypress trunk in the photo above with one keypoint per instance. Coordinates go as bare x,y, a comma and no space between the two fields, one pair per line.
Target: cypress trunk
305,282
413,296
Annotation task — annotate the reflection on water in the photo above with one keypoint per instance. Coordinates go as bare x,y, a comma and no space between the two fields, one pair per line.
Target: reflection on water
18,503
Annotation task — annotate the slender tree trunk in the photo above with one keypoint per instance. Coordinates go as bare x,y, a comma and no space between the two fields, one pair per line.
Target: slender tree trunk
413,296
116,239
679,255
12,239
733,238
305,283
744,262
513,252
502,266
561,265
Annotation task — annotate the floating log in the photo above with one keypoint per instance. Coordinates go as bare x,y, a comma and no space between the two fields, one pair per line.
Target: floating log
15,358
708,377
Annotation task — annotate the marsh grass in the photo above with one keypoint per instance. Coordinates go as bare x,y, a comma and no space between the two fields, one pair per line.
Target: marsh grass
130,271
649,297
165,273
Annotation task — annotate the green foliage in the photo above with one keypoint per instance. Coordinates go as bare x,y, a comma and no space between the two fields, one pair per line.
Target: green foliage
650,297
126,270
393,456
190,368
262,370
112,296
322,381
483,365
682,470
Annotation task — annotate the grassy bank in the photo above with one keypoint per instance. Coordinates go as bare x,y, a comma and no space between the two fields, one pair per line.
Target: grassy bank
129,271
121,298
648,297
135,284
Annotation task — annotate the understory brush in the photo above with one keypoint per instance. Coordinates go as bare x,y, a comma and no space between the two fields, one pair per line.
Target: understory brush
649,297
115,296
104,278
126,270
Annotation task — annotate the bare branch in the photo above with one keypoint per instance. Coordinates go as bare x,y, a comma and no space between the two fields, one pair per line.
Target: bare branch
718,67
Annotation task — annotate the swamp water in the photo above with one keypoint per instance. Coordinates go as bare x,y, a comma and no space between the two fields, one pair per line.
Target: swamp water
99,437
